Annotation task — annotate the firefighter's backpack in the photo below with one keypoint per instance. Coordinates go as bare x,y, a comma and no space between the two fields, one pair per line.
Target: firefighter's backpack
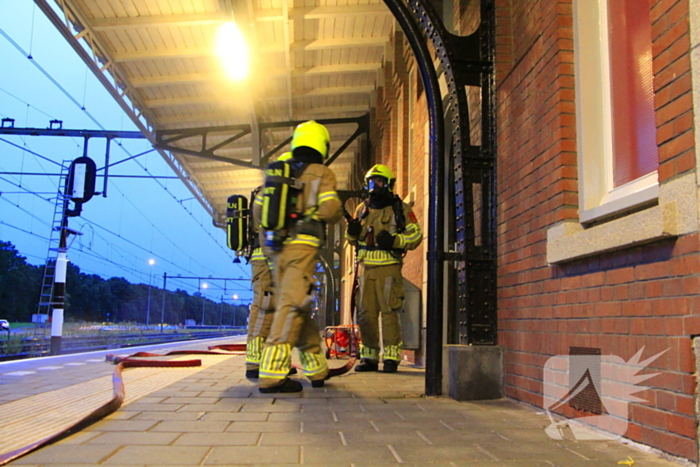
280,194
237,219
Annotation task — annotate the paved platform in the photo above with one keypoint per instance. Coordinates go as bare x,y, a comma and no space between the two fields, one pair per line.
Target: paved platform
214,416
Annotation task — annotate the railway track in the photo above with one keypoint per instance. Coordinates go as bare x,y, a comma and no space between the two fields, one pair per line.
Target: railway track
34,347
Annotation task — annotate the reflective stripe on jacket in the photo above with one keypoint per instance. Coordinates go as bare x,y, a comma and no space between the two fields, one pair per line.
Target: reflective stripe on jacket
379,220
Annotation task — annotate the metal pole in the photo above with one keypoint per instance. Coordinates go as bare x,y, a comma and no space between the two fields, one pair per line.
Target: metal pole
148,306
221,312
434,338
104,182
162,308
59,293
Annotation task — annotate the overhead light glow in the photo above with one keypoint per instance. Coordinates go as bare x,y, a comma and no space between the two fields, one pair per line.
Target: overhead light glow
233,51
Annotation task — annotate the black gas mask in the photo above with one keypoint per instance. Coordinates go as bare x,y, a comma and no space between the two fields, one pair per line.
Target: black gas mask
379,193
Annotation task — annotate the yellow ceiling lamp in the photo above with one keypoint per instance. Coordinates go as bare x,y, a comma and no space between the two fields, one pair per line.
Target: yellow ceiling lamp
232,51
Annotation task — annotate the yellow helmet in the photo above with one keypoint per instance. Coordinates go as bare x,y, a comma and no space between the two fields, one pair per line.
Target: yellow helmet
285,157
380,170
313,135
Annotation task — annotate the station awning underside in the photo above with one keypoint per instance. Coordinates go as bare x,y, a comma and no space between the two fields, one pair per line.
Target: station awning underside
310,59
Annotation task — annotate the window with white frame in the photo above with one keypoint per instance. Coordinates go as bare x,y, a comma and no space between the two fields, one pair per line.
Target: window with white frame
616,129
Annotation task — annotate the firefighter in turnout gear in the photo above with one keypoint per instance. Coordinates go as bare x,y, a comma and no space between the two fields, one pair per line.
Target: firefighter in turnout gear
263,305
316,205
383,230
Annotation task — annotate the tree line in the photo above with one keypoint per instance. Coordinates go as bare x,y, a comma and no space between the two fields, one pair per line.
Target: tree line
91,298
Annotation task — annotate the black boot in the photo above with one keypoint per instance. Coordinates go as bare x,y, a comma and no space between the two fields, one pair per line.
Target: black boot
390,366
289,385
319,383
367,365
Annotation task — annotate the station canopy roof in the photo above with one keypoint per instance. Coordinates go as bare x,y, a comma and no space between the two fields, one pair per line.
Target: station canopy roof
309,59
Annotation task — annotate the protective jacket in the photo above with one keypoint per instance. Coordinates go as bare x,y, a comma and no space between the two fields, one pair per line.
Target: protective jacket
295,266
397,219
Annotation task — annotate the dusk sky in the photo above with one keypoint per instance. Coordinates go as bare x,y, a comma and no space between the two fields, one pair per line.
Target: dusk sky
140,219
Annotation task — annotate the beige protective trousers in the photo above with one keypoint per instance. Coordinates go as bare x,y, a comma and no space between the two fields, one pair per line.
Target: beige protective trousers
380,293
262,311
292,325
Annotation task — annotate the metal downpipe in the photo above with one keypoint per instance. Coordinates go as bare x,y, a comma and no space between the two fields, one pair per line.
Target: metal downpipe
433,351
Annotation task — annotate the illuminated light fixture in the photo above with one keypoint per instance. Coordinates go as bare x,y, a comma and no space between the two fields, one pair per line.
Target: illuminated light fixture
232,51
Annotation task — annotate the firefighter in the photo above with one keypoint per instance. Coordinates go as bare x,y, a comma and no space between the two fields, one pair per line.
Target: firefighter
263,305
383,229
316,205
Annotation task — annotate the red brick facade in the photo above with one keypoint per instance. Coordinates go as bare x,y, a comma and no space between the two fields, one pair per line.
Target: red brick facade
619,302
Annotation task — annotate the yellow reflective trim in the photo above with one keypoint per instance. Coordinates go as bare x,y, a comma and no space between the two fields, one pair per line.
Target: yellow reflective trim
303,239
254,350
258,255
369,353
377,257
323,197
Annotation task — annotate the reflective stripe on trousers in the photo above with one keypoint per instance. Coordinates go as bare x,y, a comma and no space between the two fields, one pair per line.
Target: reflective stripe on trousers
380,296
292,324
253,353
261,312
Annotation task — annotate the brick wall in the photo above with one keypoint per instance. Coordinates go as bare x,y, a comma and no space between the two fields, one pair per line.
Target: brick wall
619,302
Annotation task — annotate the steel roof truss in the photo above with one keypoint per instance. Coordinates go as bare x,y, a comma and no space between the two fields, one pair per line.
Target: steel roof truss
165,138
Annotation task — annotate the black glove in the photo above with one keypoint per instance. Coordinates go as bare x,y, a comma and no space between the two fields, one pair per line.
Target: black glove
384,240
354,227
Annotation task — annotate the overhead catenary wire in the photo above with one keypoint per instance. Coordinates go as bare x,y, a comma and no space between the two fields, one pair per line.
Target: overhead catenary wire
82,108
24,230
178,267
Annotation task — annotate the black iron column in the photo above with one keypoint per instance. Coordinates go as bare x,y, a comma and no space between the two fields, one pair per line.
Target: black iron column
433,353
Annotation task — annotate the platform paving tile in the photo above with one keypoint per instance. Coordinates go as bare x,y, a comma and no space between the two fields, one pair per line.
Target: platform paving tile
312,417
273,398
121,416
79,438
169,392
163,416
410,437
323,427
152,399
300,439
210,408
264,427
67,454
243,393
368,455
257,455
189,400
122,425
195,387
183,426
247,400
218,439
139,407
159,455
278,406
236,416
125,439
